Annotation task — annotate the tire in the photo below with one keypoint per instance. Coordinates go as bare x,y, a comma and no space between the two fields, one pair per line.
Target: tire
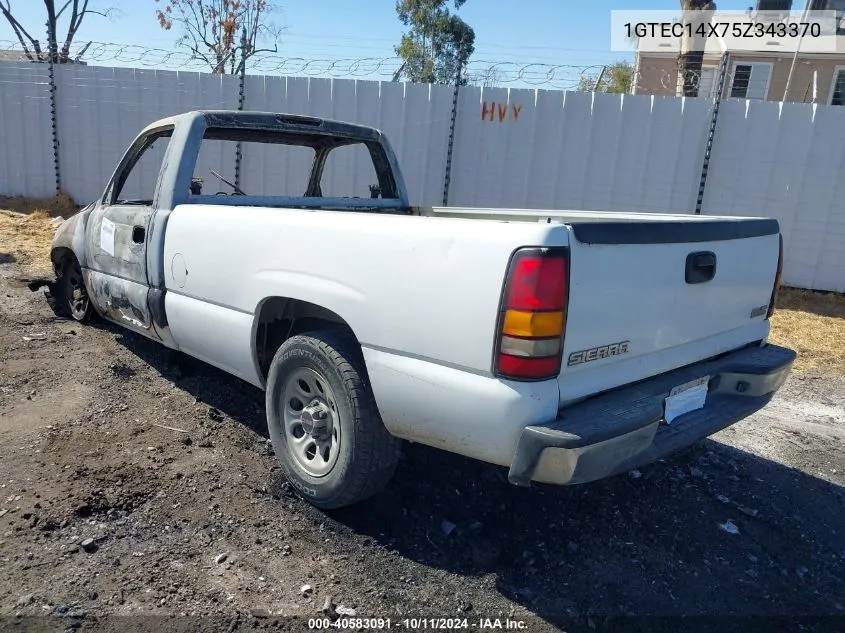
71,293
323,421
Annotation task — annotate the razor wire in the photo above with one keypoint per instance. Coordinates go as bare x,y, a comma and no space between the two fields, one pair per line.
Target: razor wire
555,76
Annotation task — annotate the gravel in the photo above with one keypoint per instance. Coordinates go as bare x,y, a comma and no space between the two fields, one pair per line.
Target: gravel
551,557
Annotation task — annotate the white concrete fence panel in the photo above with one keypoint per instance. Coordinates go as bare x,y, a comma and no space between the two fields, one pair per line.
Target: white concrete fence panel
512,148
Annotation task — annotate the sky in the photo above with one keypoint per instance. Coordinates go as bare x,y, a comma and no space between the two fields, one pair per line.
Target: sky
560,32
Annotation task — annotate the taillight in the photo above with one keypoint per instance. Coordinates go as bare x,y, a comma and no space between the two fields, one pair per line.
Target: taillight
778,277
532,317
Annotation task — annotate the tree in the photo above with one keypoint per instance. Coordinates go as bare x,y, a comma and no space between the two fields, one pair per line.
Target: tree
690,61
437,44
213,30
32,46
618,78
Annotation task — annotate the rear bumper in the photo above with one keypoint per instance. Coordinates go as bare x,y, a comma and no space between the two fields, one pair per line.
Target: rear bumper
624,429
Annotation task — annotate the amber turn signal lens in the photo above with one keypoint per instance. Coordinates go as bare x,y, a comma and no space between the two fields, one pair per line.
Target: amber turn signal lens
533,324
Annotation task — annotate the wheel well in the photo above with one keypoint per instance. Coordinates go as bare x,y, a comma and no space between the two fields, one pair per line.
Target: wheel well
59,256
280,318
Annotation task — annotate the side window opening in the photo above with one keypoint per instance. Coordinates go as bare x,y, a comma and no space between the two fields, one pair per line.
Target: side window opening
137,184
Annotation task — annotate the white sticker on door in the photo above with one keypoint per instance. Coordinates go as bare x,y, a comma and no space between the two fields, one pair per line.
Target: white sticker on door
107,236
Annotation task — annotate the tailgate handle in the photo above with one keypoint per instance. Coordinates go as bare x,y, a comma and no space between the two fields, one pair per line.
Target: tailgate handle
701,267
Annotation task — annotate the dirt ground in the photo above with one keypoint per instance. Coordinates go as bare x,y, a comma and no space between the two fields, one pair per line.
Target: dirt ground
135,483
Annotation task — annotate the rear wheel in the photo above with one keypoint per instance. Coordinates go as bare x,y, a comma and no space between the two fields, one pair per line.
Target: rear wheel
323,421
73,295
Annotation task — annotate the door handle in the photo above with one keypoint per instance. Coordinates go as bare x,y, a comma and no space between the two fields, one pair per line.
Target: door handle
700,267
138,234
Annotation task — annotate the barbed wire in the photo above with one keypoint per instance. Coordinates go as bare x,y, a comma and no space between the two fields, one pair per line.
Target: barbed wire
558,76
660,78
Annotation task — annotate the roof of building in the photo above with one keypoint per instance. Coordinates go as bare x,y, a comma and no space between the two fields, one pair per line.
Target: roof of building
12,55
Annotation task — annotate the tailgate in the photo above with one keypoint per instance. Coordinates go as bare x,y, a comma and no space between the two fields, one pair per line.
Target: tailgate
647,297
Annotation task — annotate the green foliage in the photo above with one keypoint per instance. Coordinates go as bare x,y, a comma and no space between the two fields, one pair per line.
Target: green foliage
437,42
618,78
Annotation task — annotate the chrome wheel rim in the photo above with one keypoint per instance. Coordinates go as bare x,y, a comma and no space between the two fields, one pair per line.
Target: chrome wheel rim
77,297
311,421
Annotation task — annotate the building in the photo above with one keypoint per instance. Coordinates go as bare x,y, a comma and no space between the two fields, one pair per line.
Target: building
10,55
755,71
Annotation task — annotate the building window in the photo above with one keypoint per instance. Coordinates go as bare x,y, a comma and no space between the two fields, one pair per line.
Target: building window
837,88
751,80
832,5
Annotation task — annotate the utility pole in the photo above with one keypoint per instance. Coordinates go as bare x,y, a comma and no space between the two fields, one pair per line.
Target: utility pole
598,81
797,48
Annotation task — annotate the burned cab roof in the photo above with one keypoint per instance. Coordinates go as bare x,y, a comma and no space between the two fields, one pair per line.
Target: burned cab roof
272,121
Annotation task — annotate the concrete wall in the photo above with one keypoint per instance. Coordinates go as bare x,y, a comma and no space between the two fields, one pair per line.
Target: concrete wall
513,148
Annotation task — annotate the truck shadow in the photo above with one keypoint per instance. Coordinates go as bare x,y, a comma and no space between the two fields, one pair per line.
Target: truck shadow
222,392
714,530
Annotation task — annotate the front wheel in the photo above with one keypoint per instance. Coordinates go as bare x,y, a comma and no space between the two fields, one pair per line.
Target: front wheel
72,294
324,423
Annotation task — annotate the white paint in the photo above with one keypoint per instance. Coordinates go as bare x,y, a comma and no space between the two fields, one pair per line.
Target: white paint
638,293
429,352
469,414
107,236
178,270
565,150
219,336
361,266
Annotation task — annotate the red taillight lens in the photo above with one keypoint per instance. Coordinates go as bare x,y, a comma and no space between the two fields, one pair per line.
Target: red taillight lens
778,277
535,368
537,283
529,344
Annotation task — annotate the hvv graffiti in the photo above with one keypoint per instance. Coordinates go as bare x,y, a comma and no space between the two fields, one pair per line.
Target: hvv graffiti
500,111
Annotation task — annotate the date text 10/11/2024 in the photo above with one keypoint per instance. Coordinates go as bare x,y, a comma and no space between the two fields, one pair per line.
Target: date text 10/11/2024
418,624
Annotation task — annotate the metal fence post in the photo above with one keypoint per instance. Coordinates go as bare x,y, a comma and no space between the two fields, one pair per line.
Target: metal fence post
52,53
714,118
447,179
241,98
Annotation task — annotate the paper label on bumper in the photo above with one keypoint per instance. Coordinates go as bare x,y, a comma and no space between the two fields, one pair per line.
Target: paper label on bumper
685,398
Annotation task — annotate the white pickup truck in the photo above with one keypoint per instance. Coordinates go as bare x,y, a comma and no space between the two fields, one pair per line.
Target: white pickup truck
568,346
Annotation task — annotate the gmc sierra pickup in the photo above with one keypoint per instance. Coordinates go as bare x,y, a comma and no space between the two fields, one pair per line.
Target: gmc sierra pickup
568,346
